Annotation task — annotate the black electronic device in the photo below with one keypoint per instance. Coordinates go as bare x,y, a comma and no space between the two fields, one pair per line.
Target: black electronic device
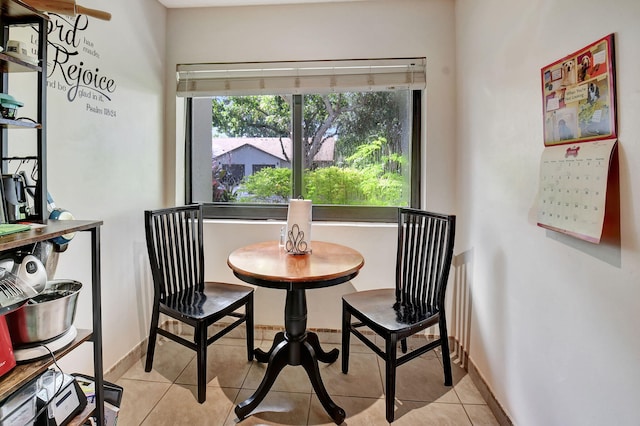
112,392
60,399
15,197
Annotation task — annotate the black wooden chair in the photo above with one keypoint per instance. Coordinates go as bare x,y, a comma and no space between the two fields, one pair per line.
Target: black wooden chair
176,253
425,250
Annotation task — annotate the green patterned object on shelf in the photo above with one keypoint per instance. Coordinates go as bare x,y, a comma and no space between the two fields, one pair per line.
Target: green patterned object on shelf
11,228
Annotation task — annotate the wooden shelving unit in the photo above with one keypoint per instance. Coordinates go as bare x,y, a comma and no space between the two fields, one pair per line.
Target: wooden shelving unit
23,373
15,13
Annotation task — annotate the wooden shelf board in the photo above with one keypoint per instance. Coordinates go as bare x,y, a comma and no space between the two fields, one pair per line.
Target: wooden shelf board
18,10
11,64
38,232
22,373
6,122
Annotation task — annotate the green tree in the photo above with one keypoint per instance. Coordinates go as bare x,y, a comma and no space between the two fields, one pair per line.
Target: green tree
251,116
381,182
353,117
378,116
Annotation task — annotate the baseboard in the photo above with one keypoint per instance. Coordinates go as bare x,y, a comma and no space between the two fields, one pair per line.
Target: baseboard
460,356
493,403
126,362
332,336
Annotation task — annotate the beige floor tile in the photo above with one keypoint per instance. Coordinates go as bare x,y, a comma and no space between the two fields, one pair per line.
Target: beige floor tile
177,327
421,397
329,346
327,340
359,411
456,369
430,414
180,407
169,361
357,346
290,379
413,342
330,338
277,408
467,391
138,399
269,334
481,415
227,366
265,344
421,379
242,342
238,333
362,380
356,343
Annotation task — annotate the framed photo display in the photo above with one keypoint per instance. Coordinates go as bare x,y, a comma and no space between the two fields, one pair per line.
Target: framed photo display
579,96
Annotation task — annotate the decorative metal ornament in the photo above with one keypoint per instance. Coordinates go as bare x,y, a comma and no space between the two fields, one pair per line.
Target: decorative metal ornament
296,243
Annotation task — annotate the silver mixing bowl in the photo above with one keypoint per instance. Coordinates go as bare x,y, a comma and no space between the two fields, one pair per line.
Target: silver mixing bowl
45,316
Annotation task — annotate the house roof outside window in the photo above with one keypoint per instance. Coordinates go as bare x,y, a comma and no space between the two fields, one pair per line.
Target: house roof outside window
271,146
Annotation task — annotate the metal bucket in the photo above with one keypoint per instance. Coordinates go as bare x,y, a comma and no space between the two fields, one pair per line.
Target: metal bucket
45,316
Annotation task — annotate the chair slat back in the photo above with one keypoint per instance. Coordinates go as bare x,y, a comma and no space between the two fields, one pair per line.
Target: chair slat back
176,249
425,251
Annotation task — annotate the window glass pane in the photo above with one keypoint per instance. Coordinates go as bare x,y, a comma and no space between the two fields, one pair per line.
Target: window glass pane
357,148
251,149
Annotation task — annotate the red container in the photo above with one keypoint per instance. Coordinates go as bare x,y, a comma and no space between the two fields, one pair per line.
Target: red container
7,360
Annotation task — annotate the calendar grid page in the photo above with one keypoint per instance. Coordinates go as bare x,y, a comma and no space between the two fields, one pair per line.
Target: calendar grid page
573,188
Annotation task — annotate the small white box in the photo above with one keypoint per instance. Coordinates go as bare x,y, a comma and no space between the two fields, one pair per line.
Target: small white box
110,414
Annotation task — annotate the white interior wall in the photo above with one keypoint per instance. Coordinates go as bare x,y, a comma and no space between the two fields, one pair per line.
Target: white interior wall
369,29
554,318
109,168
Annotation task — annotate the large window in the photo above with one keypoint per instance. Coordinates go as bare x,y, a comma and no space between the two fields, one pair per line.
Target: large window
354,153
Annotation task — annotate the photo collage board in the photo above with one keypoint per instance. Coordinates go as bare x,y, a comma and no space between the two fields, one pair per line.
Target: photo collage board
579,96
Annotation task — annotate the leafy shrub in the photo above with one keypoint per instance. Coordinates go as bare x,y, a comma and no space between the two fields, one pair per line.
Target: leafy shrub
372,179
270,184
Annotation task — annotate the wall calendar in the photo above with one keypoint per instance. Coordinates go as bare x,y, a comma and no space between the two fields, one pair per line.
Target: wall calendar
579,112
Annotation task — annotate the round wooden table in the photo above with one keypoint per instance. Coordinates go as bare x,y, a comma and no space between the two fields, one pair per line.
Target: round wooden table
268,265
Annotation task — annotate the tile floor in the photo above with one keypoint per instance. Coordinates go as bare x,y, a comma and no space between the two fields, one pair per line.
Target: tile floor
166,395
